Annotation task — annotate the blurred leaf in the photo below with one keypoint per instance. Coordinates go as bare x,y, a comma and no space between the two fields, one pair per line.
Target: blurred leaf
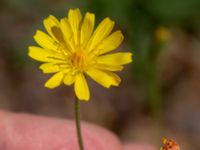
174,9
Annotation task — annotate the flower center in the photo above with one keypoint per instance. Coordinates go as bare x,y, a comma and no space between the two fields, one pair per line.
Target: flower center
79,59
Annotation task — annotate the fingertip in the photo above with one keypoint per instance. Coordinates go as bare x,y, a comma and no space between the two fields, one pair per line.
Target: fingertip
3,113
23,131
99,138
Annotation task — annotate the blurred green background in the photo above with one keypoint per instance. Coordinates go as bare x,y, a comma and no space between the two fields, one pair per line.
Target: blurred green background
159,95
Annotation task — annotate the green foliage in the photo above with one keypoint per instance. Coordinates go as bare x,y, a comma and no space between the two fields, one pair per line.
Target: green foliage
139,19
174,10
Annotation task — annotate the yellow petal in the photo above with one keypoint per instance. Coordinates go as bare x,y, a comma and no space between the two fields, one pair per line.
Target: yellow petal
56,31
49,68
102,31
49,23
69,79
55,80
44,55
115,59
81,87
105,78
87,28
110,43
75,17
108,67
45,41
67,33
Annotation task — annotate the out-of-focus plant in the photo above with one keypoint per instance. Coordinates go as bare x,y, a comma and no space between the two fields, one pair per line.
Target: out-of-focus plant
144,23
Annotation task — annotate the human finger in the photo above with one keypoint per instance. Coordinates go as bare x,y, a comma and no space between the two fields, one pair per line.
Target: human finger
30,132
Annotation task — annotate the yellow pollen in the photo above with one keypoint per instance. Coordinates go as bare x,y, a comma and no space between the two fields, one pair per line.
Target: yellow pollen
78,59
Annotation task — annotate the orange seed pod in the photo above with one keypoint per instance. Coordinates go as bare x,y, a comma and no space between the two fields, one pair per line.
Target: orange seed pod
169,144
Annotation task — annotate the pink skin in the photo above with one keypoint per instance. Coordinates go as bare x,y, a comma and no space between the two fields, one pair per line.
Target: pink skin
29,132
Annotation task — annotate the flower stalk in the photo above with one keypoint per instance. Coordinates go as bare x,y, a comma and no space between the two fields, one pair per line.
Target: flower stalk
78,123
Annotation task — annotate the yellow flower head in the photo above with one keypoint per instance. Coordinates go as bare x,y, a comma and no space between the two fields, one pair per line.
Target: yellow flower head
71,50
163,34
169,144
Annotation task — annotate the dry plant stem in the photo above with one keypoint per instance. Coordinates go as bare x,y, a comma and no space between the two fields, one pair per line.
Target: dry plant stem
78,125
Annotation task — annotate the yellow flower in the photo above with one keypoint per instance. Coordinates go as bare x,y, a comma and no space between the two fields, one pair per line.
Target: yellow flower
71,50
163,34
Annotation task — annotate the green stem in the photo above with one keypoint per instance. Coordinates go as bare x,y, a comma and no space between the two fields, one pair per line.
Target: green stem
78,126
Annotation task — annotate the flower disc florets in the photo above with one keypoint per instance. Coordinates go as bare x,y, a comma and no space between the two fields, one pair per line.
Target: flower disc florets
79,60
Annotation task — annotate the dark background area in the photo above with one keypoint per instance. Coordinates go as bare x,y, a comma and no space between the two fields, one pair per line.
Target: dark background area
160,91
